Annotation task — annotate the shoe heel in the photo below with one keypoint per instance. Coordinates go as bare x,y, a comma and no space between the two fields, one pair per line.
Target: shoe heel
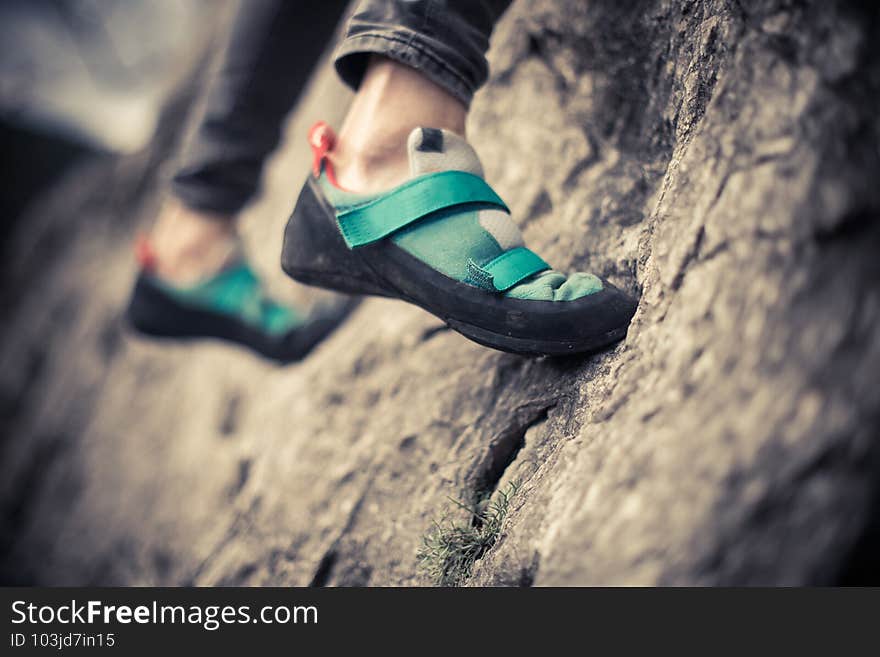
314,252
147,311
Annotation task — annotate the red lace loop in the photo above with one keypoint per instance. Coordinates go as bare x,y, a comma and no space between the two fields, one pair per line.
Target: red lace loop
144,253
322,140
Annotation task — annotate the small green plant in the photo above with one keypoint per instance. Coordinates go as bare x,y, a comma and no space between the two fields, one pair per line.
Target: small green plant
451,547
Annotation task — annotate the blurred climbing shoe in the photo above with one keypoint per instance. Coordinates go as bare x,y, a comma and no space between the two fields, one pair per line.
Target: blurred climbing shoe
231,306
444,241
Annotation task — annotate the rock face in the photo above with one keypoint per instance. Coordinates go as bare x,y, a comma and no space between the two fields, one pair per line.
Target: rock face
719,159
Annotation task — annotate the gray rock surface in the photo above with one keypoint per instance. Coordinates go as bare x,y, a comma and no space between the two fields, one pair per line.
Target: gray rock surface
717,158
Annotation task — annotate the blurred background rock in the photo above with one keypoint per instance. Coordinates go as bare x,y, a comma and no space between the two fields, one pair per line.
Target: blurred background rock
79,76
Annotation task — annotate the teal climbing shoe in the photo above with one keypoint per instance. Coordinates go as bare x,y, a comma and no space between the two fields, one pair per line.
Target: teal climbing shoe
444,241
230,306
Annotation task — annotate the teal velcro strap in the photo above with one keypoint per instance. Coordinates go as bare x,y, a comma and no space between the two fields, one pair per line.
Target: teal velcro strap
514,266
377,219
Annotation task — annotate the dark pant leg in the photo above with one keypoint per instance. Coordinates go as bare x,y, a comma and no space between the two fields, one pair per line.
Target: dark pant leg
270,54
446,40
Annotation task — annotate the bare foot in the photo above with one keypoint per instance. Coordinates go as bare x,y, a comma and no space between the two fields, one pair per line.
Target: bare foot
189,246
393,99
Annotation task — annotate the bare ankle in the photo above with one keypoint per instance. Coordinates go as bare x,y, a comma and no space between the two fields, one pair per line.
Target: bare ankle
370,171
393,99
190,245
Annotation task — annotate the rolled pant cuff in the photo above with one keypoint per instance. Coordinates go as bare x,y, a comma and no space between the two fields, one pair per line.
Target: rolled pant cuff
404,46
213,200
